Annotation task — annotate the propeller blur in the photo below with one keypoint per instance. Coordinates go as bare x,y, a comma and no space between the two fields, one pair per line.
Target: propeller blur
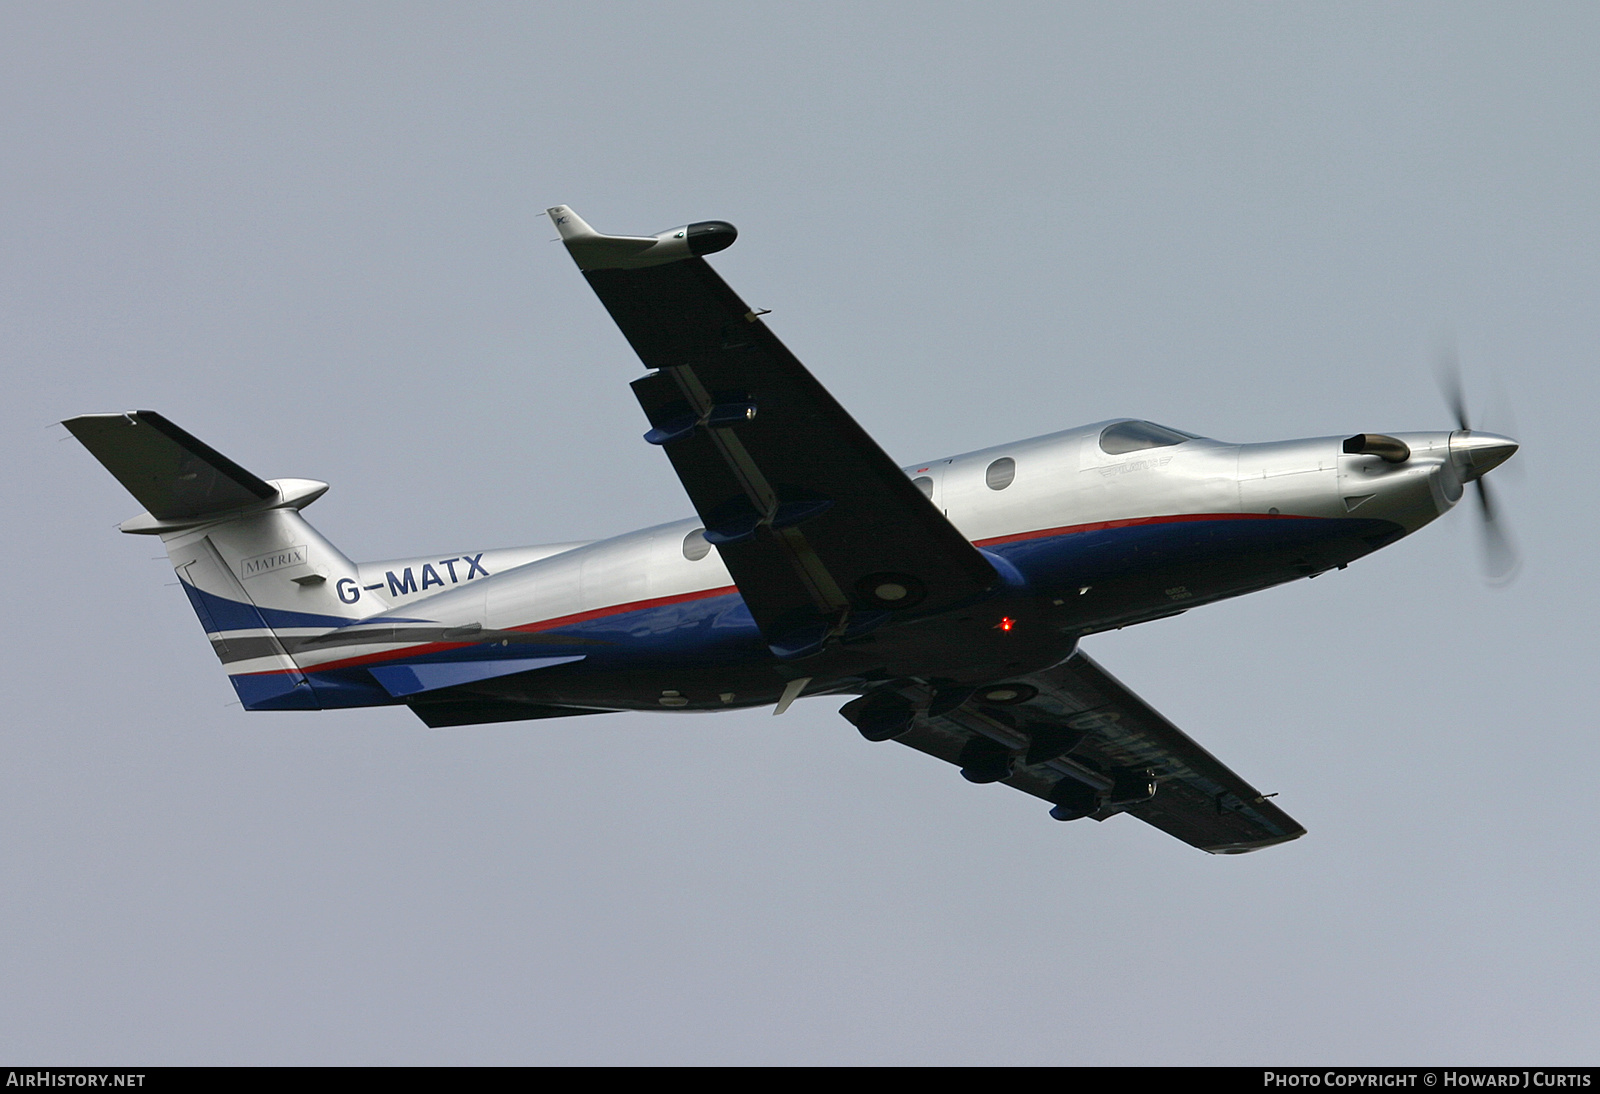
1480,453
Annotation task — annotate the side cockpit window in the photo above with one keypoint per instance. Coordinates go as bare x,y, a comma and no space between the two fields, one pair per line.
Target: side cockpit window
1134,436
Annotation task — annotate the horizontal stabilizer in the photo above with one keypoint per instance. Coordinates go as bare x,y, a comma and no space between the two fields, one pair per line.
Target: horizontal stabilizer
403,680
173,474
447,713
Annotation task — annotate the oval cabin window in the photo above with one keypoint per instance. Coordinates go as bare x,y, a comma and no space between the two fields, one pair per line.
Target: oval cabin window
1000,473
925,484
695,546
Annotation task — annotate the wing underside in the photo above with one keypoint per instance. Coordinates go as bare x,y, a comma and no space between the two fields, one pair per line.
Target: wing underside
1078,738
821,530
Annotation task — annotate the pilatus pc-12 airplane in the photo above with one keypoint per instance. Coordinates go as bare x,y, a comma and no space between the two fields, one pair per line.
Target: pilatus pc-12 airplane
945,599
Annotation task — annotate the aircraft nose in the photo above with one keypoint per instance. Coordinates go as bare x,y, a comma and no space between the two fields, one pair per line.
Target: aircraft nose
1478,453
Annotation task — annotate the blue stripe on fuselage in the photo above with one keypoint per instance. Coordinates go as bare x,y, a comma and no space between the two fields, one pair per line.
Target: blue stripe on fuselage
719,629
1107,553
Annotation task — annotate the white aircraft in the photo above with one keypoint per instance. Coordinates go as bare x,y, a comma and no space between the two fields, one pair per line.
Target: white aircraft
946,598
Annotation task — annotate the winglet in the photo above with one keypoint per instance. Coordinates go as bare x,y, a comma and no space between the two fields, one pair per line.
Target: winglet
593,251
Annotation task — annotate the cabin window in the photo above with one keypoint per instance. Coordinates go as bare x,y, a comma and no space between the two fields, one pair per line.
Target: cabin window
925,484
1134,436
695,546
1000,473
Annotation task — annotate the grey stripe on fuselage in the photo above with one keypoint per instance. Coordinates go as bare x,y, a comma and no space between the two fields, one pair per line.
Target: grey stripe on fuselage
231,649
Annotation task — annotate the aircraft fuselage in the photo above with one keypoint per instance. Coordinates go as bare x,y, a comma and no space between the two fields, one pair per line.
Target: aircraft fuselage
1084,539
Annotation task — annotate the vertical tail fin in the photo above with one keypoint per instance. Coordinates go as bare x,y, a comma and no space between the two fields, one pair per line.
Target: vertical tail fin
259,576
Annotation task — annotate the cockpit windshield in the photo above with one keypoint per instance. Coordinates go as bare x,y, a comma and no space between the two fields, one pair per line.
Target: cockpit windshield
1133,436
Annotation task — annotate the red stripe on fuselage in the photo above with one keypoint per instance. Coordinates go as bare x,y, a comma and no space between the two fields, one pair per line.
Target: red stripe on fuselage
1134,522
704,594
618,609
542,625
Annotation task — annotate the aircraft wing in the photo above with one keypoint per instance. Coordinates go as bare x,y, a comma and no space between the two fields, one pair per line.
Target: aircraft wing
821,530
1078,722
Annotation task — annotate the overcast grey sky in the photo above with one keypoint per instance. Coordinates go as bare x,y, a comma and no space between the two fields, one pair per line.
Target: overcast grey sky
314,236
